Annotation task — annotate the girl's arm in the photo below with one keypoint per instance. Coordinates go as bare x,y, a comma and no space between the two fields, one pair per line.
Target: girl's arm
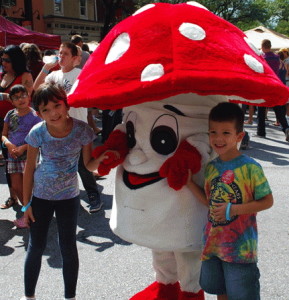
28,179
197,190
6,142
18,151
27,81
91,163
251,207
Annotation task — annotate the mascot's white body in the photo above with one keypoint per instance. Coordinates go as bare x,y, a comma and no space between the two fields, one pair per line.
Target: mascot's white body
155,64
151,213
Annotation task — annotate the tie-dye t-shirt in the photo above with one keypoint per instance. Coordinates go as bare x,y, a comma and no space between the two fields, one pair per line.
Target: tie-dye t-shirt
55,177
237,181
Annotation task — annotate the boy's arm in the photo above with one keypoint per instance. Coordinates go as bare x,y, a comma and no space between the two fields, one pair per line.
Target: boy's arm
251,207
28,179
197,190
42,75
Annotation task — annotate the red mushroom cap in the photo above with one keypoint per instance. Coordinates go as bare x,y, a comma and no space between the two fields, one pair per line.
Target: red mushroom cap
168,49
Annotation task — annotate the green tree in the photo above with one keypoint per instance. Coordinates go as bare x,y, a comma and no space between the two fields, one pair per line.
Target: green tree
280,16
243,13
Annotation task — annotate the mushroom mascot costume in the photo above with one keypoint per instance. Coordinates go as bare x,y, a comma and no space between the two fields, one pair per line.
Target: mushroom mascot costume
167,65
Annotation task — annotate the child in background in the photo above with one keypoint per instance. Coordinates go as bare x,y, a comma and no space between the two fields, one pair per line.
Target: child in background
235,190
17,124
53,184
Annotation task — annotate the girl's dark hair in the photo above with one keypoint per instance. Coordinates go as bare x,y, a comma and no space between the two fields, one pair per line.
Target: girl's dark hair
228,112
48,92
18,59
16,89
70,46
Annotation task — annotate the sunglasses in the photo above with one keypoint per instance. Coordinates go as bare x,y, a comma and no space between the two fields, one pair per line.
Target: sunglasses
7,60
16,98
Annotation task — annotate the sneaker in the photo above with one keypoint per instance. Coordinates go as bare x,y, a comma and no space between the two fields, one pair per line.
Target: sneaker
21,223
287,134
95,203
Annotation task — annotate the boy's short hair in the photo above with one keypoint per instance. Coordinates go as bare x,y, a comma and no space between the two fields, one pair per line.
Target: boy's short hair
228,112
16,89
71,46
48,92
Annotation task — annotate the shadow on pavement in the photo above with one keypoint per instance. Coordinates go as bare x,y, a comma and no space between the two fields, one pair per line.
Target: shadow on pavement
7,233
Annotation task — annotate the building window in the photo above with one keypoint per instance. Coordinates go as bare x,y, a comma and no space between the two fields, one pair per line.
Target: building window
58,7
83,8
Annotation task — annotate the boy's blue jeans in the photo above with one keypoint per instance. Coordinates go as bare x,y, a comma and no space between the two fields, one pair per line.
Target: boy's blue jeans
66,212
238,281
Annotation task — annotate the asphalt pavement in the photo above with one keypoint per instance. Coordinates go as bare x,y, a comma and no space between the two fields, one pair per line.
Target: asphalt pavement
113,269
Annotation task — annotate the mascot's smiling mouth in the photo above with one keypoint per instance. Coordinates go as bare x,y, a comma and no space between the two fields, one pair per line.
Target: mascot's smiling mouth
135,181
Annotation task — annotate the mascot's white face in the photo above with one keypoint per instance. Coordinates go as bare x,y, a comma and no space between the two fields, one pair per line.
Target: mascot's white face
155,130
144,204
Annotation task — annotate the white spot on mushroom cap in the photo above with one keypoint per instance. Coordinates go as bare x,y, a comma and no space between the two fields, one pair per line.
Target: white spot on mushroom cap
253,63
74,86
252,46
194,3
192,31
144,8
119,47
152,72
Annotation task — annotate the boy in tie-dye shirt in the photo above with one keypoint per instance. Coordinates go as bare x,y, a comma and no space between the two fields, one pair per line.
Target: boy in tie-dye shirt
235,190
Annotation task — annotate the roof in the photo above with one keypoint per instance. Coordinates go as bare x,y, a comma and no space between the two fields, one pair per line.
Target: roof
278,40
13,34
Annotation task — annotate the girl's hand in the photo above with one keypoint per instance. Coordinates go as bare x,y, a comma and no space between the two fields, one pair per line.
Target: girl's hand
11,148
18,151
28,214
219,212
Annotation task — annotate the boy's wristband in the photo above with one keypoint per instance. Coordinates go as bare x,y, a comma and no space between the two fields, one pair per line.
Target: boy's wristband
228,210
1,97
24,208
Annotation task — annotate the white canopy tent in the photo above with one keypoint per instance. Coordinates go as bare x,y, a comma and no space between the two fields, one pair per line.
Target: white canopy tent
278,40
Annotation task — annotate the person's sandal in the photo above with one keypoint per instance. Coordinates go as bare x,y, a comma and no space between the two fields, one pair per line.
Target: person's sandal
8,203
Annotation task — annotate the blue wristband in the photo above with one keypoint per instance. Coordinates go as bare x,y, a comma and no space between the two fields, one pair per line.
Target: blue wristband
24,208
228,209
45,71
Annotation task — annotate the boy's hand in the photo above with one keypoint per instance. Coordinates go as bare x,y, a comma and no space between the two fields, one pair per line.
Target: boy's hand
219,212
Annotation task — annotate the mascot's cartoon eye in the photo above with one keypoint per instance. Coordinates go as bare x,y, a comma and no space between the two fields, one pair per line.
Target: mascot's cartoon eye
164,135
130,129
130,134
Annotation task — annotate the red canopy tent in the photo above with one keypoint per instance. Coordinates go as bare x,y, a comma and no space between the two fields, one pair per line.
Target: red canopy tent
13,34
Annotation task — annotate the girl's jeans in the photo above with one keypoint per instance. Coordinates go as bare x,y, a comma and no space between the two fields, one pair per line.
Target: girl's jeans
66,212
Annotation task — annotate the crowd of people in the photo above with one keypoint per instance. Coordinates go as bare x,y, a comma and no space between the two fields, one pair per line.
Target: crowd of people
279,62
32,91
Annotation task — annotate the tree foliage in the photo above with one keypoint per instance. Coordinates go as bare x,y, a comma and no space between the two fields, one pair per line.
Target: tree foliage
245,14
